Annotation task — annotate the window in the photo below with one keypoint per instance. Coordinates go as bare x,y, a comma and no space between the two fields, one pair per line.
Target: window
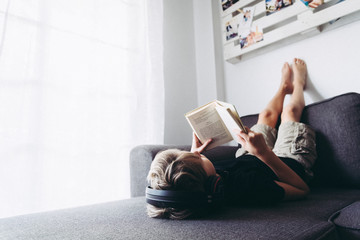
80,84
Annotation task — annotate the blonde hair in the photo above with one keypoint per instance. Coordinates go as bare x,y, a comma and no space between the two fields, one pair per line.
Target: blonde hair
174,169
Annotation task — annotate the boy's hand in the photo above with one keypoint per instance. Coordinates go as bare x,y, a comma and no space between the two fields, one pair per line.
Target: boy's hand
252,142
197,146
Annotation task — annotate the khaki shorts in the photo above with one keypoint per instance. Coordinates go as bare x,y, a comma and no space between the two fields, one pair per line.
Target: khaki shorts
293,140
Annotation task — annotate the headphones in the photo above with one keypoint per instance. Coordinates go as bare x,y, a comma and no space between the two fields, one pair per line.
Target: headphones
213,195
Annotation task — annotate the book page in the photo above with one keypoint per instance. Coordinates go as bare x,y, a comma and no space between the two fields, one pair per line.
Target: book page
229,106
206,123
229,120
234,114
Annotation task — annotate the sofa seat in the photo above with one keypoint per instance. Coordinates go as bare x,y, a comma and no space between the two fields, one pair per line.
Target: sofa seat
347,222
334,189
127,219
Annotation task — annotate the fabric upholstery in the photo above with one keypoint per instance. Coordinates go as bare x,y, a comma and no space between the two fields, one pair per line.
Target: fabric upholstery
127,219
140,161
347,222
337,125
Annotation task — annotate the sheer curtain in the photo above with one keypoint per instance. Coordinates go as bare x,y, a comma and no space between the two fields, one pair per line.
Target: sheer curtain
81,83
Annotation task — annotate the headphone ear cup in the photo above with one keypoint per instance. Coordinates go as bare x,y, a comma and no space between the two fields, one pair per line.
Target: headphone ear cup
214,184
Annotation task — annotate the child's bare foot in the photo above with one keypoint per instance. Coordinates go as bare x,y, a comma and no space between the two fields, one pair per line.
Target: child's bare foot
286,83
300,72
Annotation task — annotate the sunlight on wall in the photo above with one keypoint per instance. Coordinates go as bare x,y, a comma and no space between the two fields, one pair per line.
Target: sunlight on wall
75,90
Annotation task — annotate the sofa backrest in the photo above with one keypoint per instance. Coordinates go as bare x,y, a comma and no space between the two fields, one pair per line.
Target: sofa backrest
337,125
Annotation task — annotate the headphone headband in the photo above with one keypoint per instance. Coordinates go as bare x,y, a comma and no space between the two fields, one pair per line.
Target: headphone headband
184,199
176,199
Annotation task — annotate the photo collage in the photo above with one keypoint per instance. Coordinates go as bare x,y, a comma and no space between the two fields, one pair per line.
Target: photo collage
241,27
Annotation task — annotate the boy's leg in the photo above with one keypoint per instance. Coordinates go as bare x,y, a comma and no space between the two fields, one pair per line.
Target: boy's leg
270,115
293,110
296,140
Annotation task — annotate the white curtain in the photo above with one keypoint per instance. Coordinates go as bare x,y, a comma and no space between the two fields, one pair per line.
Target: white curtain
81,83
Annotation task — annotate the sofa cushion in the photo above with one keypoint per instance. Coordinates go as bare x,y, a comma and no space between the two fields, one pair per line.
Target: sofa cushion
249,120
337,125
347,222
127,219
140,161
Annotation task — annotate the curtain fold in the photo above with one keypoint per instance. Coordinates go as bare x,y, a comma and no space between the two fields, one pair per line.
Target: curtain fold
81,83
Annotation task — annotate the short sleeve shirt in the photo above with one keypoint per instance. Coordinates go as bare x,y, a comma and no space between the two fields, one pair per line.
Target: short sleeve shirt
248,180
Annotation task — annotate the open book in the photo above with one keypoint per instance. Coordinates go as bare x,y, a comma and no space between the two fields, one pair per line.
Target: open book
215,120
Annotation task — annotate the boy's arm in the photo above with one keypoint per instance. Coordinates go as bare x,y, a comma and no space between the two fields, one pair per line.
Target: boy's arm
292,193
255,144
293,185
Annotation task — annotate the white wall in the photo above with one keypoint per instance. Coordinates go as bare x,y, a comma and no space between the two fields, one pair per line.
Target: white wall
193,64
333,68
195,71
209,64
179,70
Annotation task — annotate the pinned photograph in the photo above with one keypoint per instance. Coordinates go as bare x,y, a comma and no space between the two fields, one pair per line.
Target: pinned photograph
245,20
227,3
248,34
313,3
273,6
231,28
255,35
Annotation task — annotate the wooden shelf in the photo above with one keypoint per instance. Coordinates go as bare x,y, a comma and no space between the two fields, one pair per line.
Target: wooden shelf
296,19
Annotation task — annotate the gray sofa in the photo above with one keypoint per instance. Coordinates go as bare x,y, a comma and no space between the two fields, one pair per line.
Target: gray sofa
331,211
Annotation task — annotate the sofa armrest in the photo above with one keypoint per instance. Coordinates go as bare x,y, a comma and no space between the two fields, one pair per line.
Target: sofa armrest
142,156
140,161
